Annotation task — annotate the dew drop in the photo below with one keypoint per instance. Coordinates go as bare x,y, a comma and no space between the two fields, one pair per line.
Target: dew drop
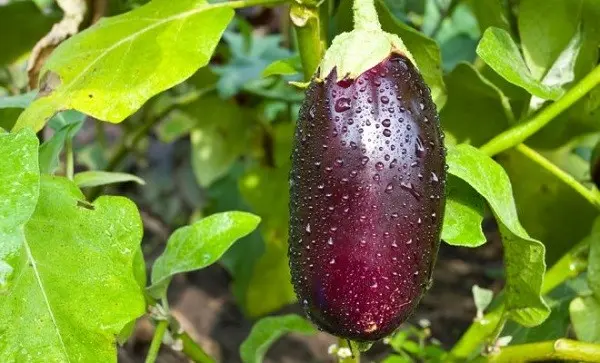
342,104
389,188
419,148
379,165
330,241
385,100
308,228
387,133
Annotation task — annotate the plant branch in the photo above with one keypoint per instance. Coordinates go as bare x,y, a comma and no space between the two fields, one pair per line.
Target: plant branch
159,332
443,14
237,4
306,22
561,349
590,195
70,168
194,351
519,133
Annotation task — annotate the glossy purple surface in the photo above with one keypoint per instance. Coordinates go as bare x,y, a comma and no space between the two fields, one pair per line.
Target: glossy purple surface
367,199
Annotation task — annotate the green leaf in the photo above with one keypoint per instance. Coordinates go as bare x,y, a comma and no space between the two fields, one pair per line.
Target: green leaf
501,53
549,209
26,20
20,177
482,297
219,138
268,330
523,255
74,269
12,106
269,287
490,13
593,270
247,61
109,70
463,215
585,316
199,245
66,124
473,100
283,67
545,28
94,178
175,125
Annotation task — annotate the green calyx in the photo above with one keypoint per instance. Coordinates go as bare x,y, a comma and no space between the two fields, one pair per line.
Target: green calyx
363,48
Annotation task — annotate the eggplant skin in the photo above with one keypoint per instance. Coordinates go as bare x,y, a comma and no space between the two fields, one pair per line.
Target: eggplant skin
367,195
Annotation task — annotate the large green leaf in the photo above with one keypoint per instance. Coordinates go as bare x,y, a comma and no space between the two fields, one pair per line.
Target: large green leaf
219,137
74,269
491,13
546,27
109,70
523,255
585,316
268,330
500,52
476,109
463,215
269,288
20,181
199,245
549,209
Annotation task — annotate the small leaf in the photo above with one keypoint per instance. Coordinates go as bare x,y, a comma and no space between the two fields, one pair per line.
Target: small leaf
483,298
109,70
66,124
463,215
94,178
175,125
283,67
585,316
501,53
490,13
199,245
11,107
268,330
523,255
74,269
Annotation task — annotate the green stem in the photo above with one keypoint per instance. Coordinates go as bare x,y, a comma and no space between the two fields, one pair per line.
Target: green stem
516,135
365,15
159,332
590,195
561,349
194,351
306,22
70,168
567,267
237,4
444,13
355,357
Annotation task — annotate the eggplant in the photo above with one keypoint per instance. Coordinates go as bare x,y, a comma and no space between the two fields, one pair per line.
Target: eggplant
367,196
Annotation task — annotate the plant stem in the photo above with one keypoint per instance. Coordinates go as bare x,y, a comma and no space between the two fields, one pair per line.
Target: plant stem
561,349
443,14
237,4
365,15
194,351
69,158
590,195
519,133
159,332
306,22
570,265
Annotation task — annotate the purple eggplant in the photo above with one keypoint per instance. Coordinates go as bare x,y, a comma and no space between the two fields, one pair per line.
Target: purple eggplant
367,199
